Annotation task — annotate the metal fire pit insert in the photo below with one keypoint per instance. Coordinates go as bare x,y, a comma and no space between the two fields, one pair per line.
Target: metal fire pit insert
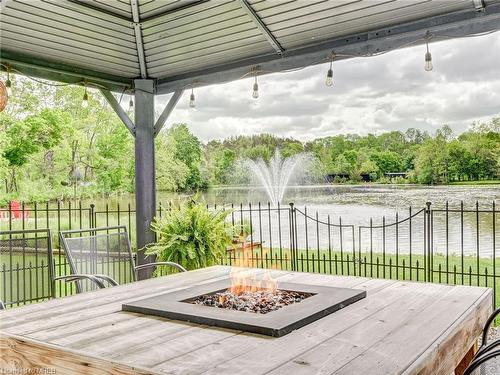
175,305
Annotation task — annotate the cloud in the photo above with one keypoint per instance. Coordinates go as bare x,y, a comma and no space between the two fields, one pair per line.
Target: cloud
373,94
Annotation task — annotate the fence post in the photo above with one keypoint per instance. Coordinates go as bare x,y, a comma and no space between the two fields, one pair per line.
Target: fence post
429,242
91,215
292,238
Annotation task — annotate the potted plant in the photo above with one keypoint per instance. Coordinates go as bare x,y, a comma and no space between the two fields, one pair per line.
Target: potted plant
192,235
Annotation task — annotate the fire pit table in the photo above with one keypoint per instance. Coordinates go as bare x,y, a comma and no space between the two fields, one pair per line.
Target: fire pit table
360,326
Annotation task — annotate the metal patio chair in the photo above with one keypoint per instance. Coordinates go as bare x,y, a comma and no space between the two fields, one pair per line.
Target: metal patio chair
27,269
485,361
104,253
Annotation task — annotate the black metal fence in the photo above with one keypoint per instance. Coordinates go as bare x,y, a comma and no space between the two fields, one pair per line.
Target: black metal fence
448,244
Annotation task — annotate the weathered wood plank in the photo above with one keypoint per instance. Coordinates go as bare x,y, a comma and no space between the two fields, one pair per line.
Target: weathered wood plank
74,310
396,336
20,354
451,346
95,322
99,298
364,314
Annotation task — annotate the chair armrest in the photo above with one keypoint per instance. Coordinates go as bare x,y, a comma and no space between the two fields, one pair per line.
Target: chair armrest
106,278
76,277
479,360
487,326
154,264
486,348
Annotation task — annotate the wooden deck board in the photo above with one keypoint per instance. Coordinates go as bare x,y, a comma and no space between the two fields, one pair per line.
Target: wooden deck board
400,327
348,352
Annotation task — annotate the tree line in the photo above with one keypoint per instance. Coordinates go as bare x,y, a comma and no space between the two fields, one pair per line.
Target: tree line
424,158
51,147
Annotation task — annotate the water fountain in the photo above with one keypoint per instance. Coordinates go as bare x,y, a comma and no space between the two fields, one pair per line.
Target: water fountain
276,175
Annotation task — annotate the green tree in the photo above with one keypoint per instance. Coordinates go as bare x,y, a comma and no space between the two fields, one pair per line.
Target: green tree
29,136
387,162
171,173
188,150
431,164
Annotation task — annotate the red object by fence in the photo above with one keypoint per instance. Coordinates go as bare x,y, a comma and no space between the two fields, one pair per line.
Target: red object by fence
16,211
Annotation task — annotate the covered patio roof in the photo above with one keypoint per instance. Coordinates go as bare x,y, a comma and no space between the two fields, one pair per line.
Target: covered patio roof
149,47
192,43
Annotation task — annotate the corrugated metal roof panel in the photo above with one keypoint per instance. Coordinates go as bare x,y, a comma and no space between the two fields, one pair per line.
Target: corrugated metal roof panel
29,20
50,14
63,39
50,54
299,32
152,8
320,10
56,31
185,54
200,41
216,31
199,12
80,12
203,62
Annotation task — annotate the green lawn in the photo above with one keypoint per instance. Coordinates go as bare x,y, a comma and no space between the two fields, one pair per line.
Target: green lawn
481,182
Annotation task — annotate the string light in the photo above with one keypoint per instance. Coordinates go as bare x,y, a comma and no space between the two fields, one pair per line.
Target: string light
255,91
192,103
8,85
428,57
329,76
85,100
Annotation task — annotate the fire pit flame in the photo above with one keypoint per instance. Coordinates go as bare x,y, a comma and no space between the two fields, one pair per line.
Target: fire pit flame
245,280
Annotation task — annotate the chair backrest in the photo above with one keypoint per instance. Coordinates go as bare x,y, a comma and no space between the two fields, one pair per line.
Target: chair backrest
26,266
104,251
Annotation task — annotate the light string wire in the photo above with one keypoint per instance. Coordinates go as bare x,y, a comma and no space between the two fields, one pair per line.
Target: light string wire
256,70
427,37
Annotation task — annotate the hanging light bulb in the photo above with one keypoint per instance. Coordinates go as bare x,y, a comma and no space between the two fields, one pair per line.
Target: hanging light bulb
85,100
192,103
255,91
8,85
329,76
428,59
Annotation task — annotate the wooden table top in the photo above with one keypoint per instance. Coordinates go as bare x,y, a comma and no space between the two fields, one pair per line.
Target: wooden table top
400,327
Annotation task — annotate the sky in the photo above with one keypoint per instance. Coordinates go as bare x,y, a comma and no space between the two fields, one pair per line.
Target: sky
370,95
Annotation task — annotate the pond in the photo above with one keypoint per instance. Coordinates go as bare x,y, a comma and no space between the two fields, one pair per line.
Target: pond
341,200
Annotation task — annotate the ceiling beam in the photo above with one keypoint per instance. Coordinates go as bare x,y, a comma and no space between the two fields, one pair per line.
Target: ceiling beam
175,7
100,9
3,3
119,110
138,38
261,26
451,25
167,111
